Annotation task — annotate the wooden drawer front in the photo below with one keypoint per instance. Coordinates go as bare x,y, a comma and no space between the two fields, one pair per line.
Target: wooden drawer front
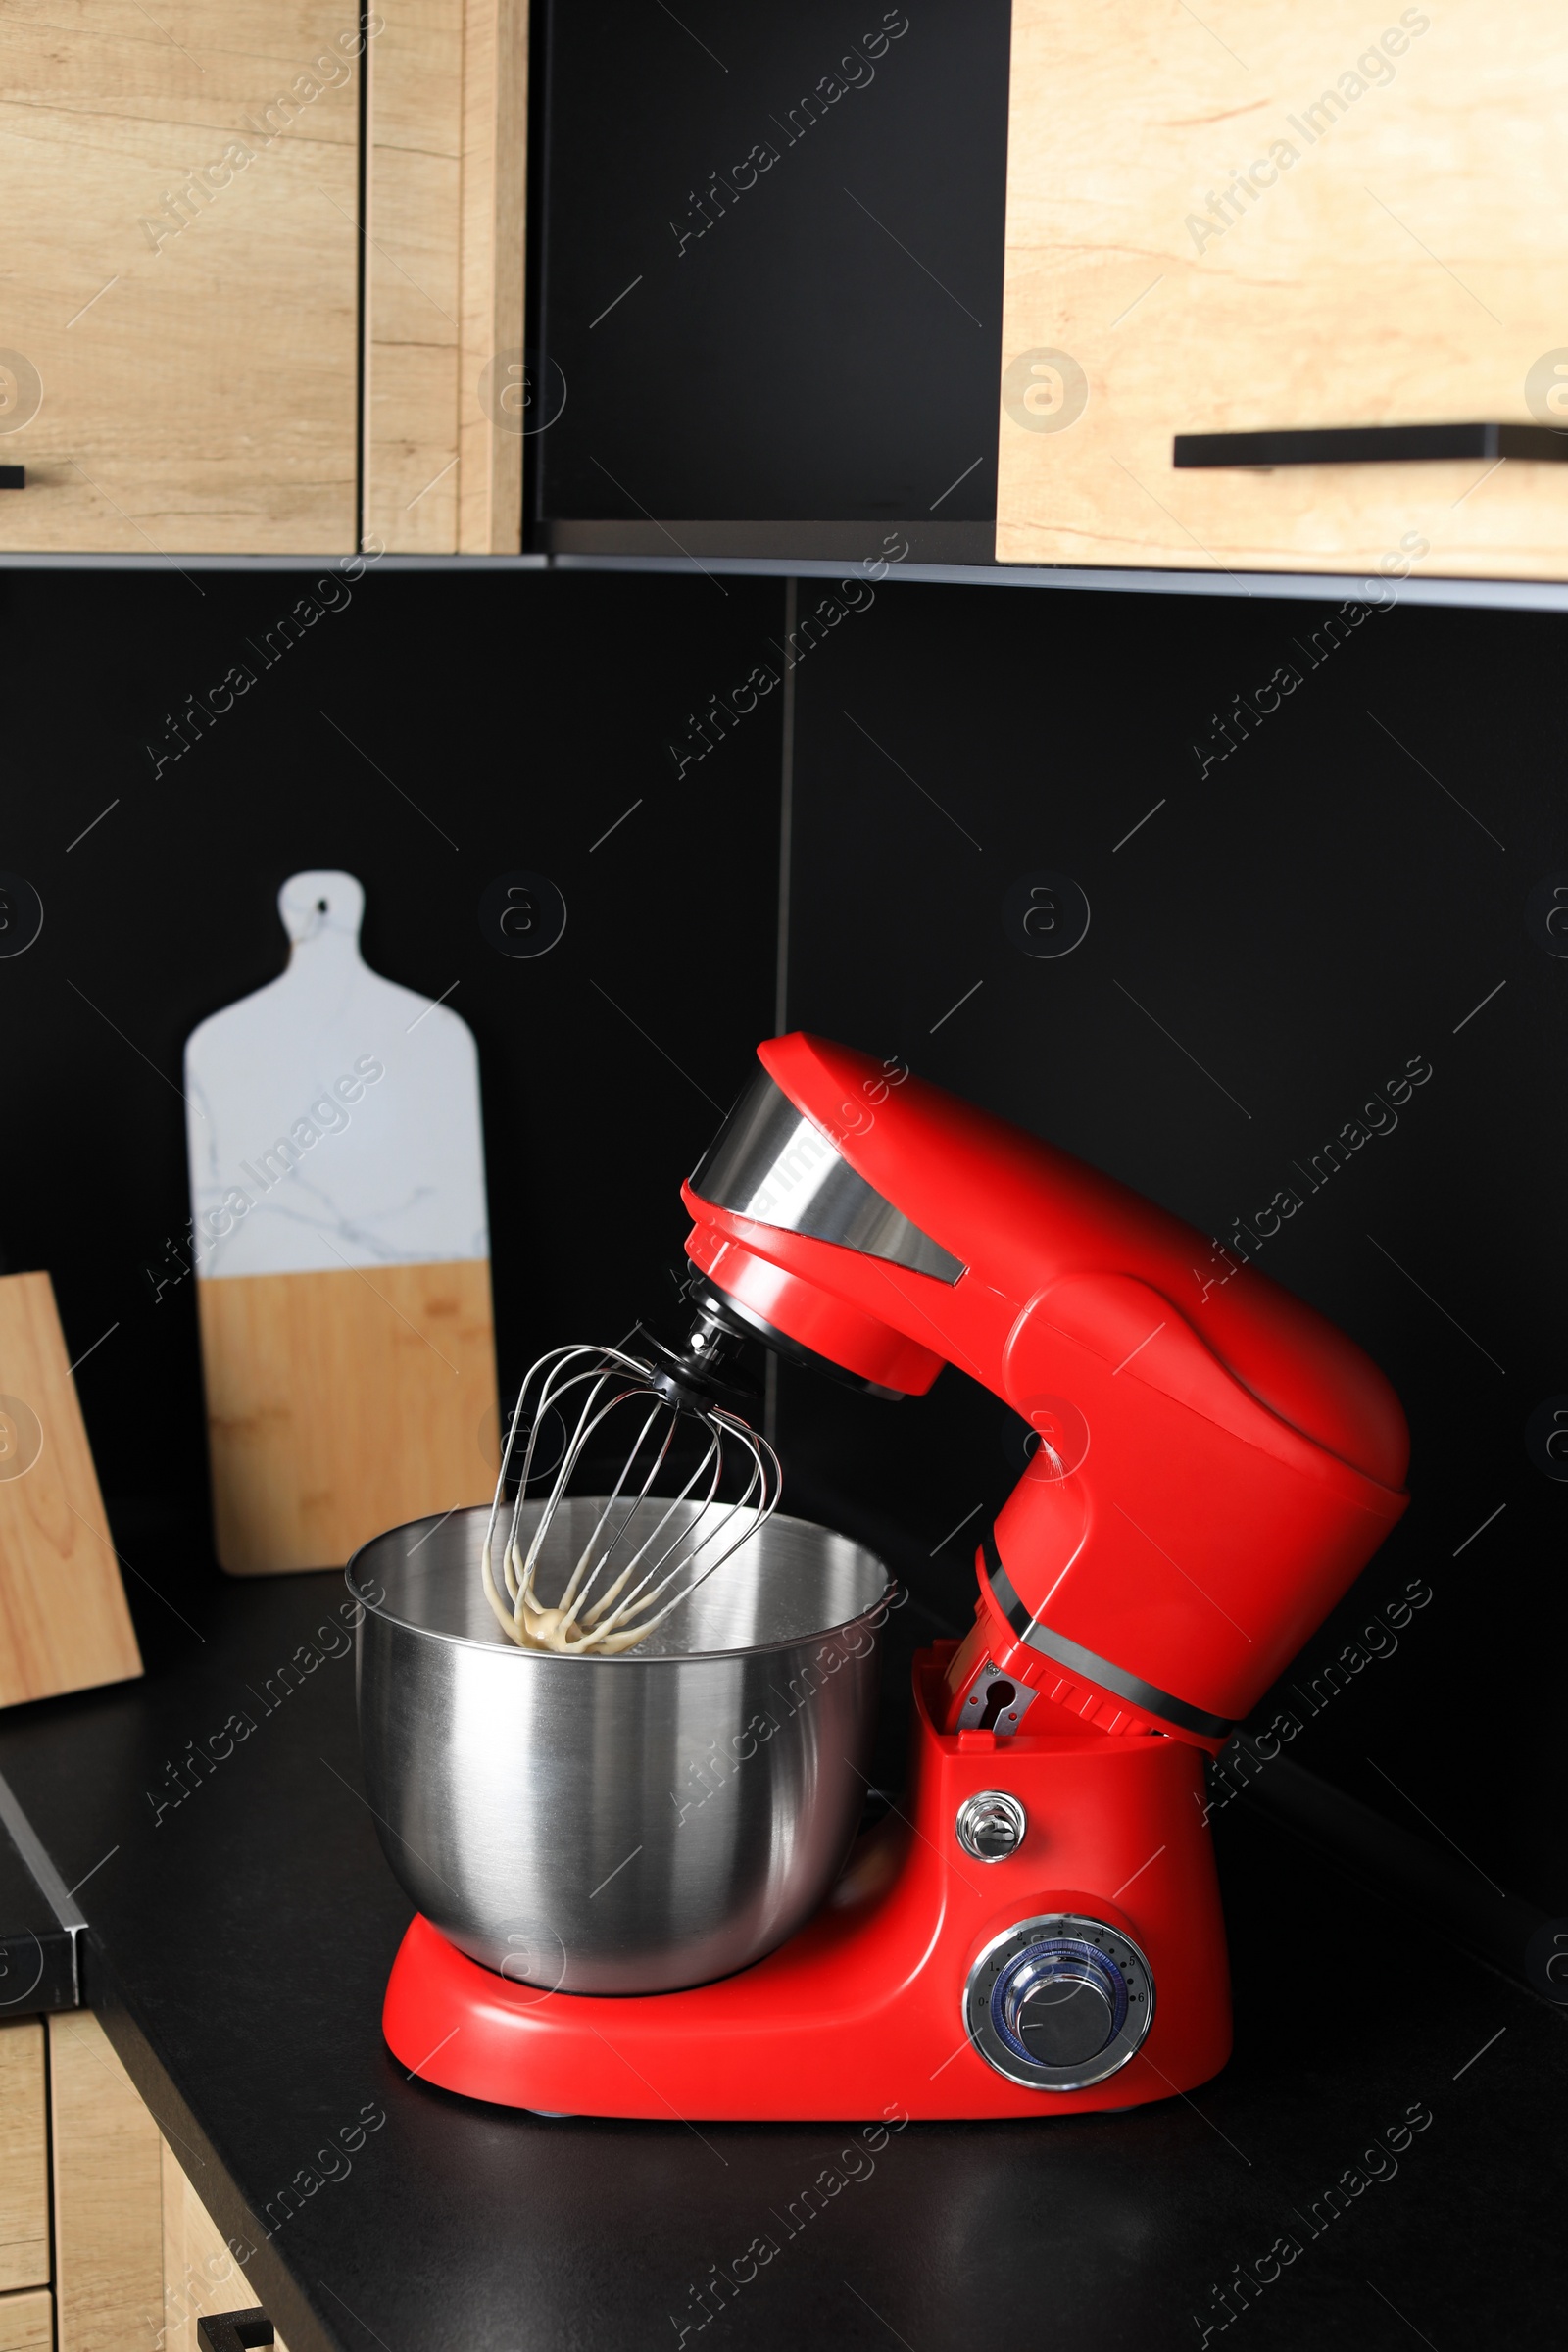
108,2280
23,2165
201,2273
1395,252
27,2320
190,316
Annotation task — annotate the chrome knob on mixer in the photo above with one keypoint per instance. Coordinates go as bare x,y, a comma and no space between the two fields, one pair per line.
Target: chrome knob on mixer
991,1825
1058,2003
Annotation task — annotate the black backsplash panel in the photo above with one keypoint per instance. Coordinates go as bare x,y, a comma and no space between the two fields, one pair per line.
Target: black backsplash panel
1271,937
494,724
820,344
1269,940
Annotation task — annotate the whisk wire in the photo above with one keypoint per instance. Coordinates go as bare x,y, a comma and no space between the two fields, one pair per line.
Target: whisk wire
593,1614
521,1571
578,1591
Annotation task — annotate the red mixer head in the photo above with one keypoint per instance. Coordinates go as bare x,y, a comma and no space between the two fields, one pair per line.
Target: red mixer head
1215,1462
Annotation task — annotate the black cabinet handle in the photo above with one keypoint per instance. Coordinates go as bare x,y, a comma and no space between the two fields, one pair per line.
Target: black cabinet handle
13,477
233,2330
1370,445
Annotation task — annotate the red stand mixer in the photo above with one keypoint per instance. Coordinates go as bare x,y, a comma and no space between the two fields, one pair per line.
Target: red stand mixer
1037,1928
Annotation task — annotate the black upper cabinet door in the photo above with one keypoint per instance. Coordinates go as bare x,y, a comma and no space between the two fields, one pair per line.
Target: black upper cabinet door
766,276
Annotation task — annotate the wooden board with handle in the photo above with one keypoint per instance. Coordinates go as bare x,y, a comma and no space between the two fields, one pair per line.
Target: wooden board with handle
341,1250
64,1622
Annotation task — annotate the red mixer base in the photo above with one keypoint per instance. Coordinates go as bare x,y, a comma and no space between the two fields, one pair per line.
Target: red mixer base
861,2016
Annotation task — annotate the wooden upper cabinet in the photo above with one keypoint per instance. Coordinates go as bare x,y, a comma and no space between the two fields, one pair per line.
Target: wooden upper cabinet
1265,217
444,276
186,242
180,290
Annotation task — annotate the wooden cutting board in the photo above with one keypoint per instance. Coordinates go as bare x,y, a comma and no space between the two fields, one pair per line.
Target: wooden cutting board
342,1251
64,1623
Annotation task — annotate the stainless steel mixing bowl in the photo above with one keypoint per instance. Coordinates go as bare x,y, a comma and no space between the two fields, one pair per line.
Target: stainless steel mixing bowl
626,1824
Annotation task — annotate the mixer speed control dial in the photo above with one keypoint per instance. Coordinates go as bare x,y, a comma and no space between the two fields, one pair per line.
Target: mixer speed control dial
1059,2002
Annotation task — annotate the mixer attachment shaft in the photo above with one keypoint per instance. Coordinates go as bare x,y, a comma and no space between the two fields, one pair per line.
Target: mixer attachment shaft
640,1561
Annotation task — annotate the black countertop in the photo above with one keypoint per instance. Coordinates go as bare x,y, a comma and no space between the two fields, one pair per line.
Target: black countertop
239,1941
38,1956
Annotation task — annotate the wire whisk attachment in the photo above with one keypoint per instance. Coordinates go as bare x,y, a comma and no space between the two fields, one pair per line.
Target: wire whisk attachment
645,1556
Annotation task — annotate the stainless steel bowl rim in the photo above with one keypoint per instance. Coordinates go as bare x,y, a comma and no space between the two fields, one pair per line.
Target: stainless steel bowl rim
888,1599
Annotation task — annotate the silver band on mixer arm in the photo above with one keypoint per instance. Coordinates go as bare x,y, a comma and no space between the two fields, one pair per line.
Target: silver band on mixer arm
770,1163
1148,1696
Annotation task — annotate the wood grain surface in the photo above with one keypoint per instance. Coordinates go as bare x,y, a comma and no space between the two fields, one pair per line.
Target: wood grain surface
192,316
342,1403
1264,215
495,169
24,2159
412,266
200,2272
444,270
64,1623
27,2320
109,2255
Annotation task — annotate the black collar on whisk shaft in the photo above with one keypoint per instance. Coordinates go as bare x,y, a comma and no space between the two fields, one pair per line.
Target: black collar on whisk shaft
698,1376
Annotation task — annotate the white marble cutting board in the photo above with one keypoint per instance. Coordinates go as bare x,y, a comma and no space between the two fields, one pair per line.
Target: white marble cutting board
341,1250
334,1117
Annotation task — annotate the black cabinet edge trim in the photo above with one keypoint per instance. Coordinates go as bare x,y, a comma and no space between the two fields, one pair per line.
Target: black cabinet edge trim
50,1885
863,544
